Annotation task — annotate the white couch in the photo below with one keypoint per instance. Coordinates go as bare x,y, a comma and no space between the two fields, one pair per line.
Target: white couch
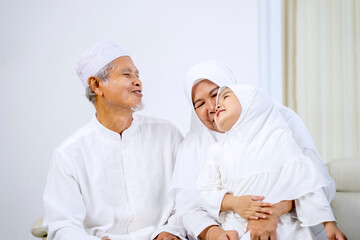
346,203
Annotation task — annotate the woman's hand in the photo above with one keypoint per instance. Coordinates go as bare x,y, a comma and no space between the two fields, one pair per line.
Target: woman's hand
166,236
266,228
333,232
246,206
217,233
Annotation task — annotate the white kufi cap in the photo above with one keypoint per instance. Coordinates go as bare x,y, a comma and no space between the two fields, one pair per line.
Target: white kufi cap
97,57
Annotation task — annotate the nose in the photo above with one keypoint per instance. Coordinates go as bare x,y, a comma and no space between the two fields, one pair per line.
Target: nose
211,106
217,108
137,82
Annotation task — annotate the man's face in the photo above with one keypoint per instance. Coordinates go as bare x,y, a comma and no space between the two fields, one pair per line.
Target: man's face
123,88
204,100
228,110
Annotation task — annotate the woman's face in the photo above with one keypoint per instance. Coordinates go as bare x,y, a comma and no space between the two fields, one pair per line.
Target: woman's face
228,110
204,102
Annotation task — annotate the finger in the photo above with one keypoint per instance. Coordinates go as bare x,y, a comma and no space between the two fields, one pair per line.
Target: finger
263,210
254,235
331,237
273,236
262,204
257,198
341,237
256,214
233,235
249,217
264,237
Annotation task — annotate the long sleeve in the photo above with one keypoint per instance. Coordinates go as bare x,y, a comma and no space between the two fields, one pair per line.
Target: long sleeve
314,202
194,218
330,189
174,224
210,186
64,208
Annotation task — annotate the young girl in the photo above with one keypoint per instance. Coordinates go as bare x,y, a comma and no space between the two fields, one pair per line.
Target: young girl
258,156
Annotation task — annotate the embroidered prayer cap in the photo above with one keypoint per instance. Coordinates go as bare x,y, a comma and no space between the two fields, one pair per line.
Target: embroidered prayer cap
97,57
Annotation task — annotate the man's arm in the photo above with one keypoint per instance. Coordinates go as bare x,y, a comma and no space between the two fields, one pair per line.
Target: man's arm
64,206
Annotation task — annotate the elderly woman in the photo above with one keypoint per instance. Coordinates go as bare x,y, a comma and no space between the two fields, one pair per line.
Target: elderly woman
201,89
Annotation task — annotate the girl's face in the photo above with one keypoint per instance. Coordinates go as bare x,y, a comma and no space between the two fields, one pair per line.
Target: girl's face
228,110
204,101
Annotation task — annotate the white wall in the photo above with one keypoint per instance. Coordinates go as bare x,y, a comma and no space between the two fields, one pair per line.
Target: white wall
42,100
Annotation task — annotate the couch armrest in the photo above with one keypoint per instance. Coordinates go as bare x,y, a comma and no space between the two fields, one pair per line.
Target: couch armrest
38,230
346,173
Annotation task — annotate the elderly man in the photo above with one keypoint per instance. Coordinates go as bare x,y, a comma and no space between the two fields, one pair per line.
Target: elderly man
111,178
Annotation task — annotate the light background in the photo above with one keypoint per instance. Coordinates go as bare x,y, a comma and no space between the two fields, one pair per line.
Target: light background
42,100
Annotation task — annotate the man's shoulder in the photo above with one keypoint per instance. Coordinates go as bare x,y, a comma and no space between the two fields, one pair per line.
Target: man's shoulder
153,123
79,135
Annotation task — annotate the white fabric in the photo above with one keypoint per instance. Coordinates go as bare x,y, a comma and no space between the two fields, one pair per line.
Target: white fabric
103,185
258,156
211,70
194,149
201,136
95,58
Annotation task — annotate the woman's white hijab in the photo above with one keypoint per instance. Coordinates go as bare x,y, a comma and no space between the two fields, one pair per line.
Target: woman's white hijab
194,148
214,71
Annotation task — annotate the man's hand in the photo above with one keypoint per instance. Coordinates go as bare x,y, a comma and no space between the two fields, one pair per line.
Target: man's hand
333,232
166,236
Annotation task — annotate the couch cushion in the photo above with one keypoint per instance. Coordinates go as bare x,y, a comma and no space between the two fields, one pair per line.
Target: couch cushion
346,208
346,173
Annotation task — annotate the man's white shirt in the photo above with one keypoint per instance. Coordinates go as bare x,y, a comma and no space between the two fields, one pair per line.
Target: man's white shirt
103,185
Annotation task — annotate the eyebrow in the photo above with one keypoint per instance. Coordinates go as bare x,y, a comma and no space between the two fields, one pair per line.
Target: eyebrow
130,70
224,92
214,90
210,93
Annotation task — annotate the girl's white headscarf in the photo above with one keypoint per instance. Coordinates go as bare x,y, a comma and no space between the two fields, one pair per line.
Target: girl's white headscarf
194,148
261,142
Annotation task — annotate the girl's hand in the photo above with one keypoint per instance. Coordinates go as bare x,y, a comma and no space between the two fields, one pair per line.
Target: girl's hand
247,206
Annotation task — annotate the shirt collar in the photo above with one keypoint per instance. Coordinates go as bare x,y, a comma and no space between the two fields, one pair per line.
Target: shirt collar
114,135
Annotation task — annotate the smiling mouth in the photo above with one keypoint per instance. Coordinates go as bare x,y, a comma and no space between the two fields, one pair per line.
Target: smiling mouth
138,92
217,114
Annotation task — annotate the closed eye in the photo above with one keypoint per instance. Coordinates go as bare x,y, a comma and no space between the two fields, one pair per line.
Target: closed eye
196,107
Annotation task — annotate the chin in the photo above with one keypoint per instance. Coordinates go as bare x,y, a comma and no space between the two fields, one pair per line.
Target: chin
140,106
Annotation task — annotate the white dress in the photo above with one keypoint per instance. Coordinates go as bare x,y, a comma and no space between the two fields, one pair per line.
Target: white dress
258,156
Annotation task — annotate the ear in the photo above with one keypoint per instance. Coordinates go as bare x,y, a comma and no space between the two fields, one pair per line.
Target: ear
94,83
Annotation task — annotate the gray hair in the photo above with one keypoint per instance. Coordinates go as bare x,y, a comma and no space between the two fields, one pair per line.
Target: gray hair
103,74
